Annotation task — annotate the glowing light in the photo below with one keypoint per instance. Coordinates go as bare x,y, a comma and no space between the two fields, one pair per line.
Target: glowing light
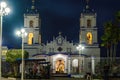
3,4
22,30
18,33
7,10
79,47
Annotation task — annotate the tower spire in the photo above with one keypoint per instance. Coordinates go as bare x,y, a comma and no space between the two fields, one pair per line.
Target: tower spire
32,8
60,33
87,2
33,4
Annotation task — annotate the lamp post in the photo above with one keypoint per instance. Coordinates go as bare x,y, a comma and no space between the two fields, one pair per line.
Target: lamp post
4,10
80,48
22,34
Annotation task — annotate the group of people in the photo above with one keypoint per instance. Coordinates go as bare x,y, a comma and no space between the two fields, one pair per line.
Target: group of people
35,70
38,70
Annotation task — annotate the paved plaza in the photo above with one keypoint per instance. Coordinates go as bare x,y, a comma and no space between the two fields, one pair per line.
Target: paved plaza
60,78
54,78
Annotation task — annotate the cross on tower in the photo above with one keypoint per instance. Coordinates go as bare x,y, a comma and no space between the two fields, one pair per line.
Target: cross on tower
33,7
87,6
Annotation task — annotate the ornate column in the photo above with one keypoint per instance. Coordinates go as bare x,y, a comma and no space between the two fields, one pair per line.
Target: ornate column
69,65
93,65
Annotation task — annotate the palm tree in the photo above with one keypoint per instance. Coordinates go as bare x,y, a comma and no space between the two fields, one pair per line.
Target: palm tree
117,16
115,39
116,30
111,38
106,38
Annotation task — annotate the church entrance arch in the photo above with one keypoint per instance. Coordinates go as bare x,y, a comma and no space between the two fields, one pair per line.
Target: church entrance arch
60,66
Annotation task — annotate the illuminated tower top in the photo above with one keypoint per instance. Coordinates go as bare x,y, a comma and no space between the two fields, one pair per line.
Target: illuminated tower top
33,9
32,24
87,8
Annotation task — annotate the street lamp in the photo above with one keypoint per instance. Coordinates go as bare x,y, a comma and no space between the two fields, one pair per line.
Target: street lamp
22,34
4,10
80,48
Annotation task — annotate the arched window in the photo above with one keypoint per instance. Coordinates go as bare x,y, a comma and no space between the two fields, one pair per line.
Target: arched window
75,63
89,23
30,38
31,23
89,38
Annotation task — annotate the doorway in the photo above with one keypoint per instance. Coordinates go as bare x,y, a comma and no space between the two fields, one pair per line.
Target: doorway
60,66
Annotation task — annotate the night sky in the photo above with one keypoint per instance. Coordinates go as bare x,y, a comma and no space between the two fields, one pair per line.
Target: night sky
57,16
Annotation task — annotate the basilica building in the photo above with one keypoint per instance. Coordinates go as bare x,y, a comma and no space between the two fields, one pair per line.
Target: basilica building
63,55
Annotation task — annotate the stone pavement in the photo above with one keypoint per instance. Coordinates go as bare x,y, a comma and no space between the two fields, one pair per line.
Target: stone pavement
54,78
59,78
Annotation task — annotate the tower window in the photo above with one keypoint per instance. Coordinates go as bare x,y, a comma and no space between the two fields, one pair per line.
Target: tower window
88,23
89,38
31,24
30,38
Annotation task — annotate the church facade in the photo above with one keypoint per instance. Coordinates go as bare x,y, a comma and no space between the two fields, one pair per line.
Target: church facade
61,53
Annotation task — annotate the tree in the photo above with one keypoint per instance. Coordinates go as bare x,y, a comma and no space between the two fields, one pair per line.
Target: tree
106,38
116,30
117,16
12,55
111,36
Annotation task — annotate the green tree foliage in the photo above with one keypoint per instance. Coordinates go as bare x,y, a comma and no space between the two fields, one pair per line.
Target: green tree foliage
111,36
117,16
106,37
12,55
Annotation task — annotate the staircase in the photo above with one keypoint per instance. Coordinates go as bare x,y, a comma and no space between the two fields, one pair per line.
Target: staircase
59,75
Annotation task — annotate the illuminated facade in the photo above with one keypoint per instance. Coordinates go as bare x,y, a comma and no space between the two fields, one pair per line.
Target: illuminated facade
62,54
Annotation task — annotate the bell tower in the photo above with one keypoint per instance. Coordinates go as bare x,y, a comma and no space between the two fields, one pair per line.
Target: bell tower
88,37
88,28
32,25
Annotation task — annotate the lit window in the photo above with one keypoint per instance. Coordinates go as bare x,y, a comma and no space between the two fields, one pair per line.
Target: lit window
30,38
89,38
75,63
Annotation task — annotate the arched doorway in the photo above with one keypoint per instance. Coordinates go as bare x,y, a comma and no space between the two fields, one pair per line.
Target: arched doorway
75,65
60,66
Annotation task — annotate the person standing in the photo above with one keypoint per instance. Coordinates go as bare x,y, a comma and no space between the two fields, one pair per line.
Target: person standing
106,72
35,69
